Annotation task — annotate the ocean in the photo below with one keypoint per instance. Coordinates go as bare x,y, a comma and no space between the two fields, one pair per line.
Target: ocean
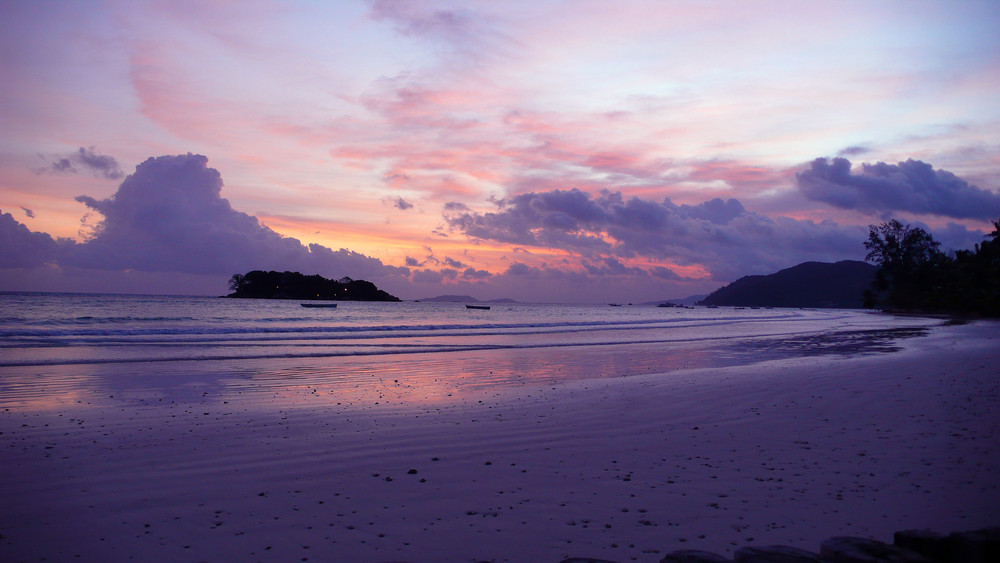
166,344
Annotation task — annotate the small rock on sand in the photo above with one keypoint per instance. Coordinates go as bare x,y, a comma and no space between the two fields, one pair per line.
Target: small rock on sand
776,554
842,549
692,556
928,543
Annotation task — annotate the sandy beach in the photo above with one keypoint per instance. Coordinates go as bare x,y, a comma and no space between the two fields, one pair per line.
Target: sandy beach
781,452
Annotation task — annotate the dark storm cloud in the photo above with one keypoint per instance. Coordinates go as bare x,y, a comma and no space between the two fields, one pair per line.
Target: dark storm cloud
169,216
912,186
86,160
720,235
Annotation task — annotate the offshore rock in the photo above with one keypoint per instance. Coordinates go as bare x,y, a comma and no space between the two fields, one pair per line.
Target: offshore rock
776,554
293,285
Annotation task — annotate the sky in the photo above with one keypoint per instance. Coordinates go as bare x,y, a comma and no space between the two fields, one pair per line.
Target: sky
543,150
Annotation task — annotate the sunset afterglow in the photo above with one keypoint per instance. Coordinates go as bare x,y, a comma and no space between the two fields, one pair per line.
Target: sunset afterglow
545,151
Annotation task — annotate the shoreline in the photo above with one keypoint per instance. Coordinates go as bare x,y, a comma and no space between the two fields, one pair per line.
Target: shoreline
787,451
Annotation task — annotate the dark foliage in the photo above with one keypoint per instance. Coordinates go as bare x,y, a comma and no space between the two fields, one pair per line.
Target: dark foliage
914,275
293,285
910,265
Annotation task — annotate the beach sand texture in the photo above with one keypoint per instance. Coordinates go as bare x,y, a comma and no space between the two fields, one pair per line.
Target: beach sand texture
782,452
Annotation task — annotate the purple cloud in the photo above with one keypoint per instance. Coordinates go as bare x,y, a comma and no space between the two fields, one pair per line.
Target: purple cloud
23,248
953,236
719,235
434,277
474,274
716,211
472,36
409,19
169,216
89,161
558,218
853,150
912,186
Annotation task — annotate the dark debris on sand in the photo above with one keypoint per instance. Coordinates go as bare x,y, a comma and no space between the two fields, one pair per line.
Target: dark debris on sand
909,546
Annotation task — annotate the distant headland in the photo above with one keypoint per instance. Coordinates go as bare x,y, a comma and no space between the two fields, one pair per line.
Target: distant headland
293,285
810,284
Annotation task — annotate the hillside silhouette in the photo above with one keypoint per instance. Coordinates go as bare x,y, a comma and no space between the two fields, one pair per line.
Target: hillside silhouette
810,284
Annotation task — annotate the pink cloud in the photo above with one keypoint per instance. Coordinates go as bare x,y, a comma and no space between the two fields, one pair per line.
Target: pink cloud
746,178
172,100
406,104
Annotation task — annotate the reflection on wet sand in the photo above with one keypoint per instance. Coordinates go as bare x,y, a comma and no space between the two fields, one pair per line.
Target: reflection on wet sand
409,380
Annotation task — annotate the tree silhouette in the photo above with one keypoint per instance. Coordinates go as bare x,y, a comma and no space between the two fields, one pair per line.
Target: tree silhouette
914,274
909,263
236,282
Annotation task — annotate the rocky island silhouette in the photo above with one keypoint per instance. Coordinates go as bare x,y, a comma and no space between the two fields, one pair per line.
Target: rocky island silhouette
259,284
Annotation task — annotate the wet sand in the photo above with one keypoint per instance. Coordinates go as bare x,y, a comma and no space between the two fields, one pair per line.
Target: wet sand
789,452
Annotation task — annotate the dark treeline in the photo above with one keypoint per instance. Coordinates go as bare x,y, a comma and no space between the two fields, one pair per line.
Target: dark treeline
915,275
293,285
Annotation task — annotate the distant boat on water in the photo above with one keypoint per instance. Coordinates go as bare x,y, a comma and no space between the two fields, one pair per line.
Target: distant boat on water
319,305
483,307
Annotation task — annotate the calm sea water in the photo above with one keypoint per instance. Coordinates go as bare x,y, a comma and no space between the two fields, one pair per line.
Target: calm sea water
134,340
